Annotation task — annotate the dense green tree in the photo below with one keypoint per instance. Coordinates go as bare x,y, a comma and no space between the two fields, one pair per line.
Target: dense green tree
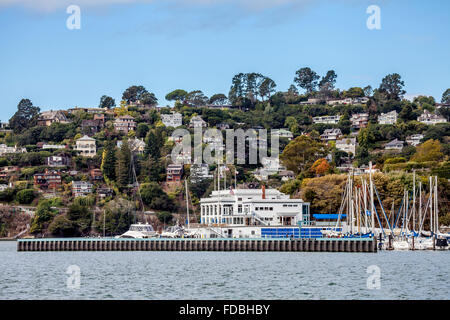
177,95
267,88
153,196
354,92
152,145
119,215
135,93
43,214
446,96
142,130
25,196
81,217
367,91
109,160
218,99
392,85
123,166
430,150
300,154
196,98
327,82
148,99
62,227
106,102
25,116
307,79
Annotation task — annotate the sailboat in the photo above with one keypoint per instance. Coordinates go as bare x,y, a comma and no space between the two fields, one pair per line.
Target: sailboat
138,230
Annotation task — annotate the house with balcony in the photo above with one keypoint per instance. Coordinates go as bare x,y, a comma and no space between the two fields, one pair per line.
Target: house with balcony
359,120
347,145
124,124
200,172
414,139
4,149
174,119
81,188
50,179
86,146
388,118
174,173
327,119
105,192
430,118
58,161
331,134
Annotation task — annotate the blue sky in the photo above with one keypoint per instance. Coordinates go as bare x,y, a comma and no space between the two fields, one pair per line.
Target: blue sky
200,44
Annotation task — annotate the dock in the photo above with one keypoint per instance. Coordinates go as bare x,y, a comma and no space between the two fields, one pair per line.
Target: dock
199,244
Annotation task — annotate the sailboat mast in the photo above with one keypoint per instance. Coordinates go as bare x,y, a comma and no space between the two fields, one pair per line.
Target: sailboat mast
420,206
187,201
372,206
436,212
431,204
414,202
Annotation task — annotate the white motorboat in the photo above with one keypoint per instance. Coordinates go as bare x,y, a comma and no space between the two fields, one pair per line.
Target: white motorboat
400,245
173,232
139,231
422,243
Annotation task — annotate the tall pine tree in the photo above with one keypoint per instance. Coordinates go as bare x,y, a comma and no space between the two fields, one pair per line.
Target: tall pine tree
152,145
109,160
123,169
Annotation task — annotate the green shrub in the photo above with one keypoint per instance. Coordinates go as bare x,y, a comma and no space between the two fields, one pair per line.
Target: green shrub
25,196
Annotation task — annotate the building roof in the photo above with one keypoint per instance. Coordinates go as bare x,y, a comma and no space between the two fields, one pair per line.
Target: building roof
86,138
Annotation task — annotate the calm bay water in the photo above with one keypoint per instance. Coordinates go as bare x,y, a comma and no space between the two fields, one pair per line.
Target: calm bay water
222,275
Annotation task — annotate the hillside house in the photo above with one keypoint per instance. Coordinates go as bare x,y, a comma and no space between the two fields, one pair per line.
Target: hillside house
394,145
4,149
327,119
197,122
86,146
50,179
90,127
414,139
174,173
388,118
96,174
124,124
282,133
57,161
331,134
172,120
359,120
81,188
430,119
347,145
46,118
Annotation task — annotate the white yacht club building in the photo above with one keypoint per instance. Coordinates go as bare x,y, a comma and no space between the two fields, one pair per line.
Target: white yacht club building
243,212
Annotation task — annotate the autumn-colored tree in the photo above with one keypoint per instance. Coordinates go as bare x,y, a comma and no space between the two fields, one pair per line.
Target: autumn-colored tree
300,154
320,167
430,150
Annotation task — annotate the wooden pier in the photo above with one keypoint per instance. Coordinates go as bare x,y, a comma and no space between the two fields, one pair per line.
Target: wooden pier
160,244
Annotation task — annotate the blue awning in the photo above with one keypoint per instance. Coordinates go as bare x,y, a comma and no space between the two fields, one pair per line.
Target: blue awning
332,216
